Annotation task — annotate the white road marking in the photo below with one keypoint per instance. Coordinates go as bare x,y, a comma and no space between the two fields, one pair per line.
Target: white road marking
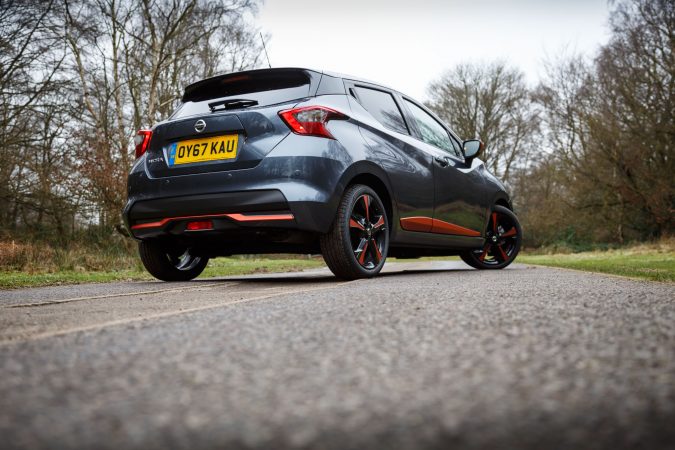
50,334
126,294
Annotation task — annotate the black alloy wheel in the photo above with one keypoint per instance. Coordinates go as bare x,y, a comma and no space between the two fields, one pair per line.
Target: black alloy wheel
502,241
357,244
366,231
171,263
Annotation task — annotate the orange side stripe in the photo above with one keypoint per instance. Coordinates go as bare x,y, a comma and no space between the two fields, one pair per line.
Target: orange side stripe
427,224
442,227
236,217
423,224
354,224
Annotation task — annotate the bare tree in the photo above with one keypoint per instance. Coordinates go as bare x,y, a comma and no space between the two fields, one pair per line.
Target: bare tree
79,77
634,126
132,59
32,115
610,125
490,102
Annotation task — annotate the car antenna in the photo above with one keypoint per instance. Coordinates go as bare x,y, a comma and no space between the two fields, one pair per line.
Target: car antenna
265,48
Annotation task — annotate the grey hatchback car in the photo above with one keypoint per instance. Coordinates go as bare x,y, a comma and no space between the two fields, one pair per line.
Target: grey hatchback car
293,160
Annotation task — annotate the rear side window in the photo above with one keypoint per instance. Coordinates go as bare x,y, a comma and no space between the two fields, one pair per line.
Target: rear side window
432,132
266,88
381,106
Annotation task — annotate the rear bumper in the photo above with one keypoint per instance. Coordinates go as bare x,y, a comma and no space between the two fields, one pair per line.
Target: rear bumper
170,215
301,176
261,209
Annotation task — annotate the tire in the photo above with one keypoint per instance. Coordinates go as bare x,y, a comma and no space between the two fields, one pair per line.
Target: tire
357,243
170,263
503,238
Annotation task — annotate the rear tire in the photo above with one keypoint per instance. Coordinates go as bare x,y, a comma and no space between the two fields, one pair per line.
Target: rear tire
502,241
170,263
357,243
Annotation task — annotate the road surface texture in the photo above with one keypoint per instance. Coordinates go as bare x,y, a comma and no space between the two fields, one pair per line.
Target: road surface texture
428,355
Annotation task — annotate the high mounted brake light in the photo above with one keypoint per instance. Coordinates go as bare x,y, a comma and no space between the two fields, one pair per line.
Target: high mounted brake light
311,120
141,141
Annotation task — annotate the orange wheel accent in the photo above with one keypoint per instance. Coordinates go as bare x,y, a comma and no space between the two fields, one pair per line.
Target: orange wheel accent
366,205
354,224
485,252
362,256
379,224
502,253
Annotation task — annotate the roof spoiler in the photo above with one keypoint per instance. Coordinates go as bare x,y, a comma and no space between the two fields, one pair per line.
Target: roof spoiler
239,83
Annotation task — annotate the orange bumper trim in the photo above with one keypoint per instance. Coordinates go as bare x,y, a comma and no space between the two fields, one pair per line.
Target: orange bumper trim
233,216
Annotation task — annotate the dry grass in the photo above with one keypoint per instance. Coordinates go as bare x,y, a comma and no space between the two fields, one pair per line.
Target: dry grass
77,257
663,245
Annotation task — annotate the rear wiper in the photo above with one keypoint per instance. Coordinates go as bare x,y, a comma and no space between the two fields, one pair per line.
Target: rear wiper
233,103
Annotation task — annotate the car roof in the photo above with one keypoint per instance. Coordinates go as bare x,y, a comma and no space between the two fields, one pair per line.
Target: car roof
358,79
317,71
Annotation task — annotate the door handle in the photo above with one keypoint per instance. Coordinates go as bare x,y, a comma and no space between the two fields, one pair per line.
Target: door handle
443,162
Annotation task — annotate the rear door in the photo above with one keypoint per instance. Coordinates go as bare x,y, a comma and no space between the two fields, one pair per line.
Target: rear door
388,135
459,191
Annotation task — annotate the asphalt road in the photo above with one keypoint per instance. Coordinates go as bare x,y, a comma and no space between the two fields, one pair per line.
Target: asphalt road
428,355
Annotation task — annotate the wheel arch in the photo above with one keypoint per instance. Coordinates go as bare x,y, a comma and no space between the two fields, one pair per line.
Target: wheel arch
502,199
371,175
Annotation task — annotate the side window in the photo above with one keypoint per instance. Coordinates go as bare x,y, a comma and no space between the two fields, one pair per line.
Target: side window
381,106
432,132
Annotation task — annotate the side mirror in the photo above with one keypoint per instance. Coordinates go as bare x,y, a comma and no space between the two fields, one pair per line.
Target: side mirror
472,148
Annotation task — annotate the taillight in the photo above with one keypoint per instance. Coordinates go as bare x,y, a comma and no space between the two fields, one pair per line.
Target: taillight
311,120
141,141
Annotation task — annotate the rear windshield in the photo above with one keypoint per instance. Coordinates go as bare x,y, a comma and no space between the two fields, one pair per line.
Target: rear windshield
267,88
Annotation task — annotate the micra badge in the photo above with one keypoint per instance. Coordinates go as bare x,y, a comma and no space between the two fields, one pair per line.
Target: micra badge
154,160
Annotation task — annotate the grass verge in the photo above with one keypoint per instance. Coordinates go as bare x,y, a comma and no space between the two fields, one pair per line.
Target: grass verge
645,264
217,268
26,268
16,279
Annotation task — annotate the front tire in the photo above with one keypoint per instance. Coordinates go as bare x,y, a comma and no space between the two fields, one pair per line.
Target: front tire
357,243
170,263
502,241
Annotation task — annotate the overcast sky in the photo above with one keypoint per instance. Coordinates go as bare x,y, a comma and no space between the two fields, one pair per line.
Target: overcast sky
407,44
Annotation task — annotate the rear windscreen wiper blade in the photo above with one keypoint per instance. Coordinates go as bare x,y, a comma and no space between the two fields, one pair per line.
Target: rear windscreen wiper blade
232,103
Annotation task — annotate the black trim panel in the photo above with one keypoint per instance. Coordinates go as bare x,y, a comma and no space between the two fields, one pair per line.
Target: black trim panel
226,202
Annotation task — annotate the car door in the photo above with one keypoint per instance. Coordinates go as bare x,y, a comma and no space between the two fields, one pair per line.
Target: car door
460,198
410,169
